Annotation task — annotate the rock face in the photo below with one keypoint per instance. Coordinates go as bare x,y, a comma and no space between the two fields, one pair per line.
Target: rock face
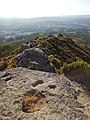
25,46
35,95
35,59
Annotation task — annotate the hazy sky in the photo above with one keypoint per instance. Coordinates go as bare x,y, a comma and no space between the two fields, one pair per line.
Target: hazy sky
40,8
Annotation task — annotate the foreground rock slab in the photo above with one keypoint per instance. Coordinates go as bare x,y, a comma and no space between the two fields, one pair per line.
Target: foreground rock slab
35,95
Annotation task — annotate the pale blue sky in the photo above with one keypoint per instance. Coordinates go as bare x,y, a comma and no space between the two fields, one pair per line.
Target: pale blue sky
42,8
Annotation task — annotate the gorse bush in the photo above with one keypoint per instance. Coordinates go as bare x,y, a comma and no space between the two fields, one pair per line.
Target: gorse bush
74,65
55,61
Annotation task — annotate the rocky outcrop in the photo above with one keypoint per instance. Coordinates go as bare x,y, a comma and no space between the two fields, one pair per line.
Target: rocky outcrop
35,59
35,95
25,46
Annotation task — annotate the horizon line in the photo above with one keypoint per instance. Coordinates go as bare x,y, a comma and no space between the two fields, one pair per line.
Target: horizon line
4,17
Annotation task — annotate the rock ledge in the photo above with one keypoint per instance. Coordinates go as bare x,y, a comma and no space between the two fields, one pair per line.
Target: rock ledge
36,95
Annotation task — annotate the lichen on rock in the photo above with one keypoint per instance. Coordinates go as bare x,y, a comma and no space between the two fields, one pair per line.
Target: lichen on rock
32,101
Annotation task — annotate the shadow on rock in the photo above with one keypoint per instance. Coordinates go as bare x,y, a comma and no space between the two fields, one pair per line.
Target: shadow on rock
82,77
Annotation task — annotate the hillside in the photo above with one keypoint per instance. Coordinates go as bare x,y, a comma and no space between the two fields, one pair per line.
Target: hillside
63,48
61,51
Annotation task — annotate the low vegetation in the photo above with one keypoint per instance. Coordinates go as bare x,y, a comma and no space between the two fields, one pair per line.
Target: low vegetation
79,64
64,53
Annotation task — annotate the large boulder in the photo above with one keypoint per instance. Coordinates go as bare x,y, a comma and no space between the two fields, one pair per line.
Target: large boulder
36,59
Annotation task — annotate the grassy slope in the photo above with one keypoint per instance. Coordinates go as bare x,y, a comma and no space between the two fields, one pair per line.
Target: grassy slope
63,52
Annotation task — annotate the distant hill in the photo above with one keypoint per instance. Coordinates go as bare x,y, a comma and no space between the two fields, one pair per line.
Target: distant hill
16,28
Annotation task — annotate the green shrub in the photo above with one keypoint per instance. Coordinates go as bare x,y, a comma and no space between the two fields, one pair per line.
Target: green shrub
55,61
6,49
74,65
